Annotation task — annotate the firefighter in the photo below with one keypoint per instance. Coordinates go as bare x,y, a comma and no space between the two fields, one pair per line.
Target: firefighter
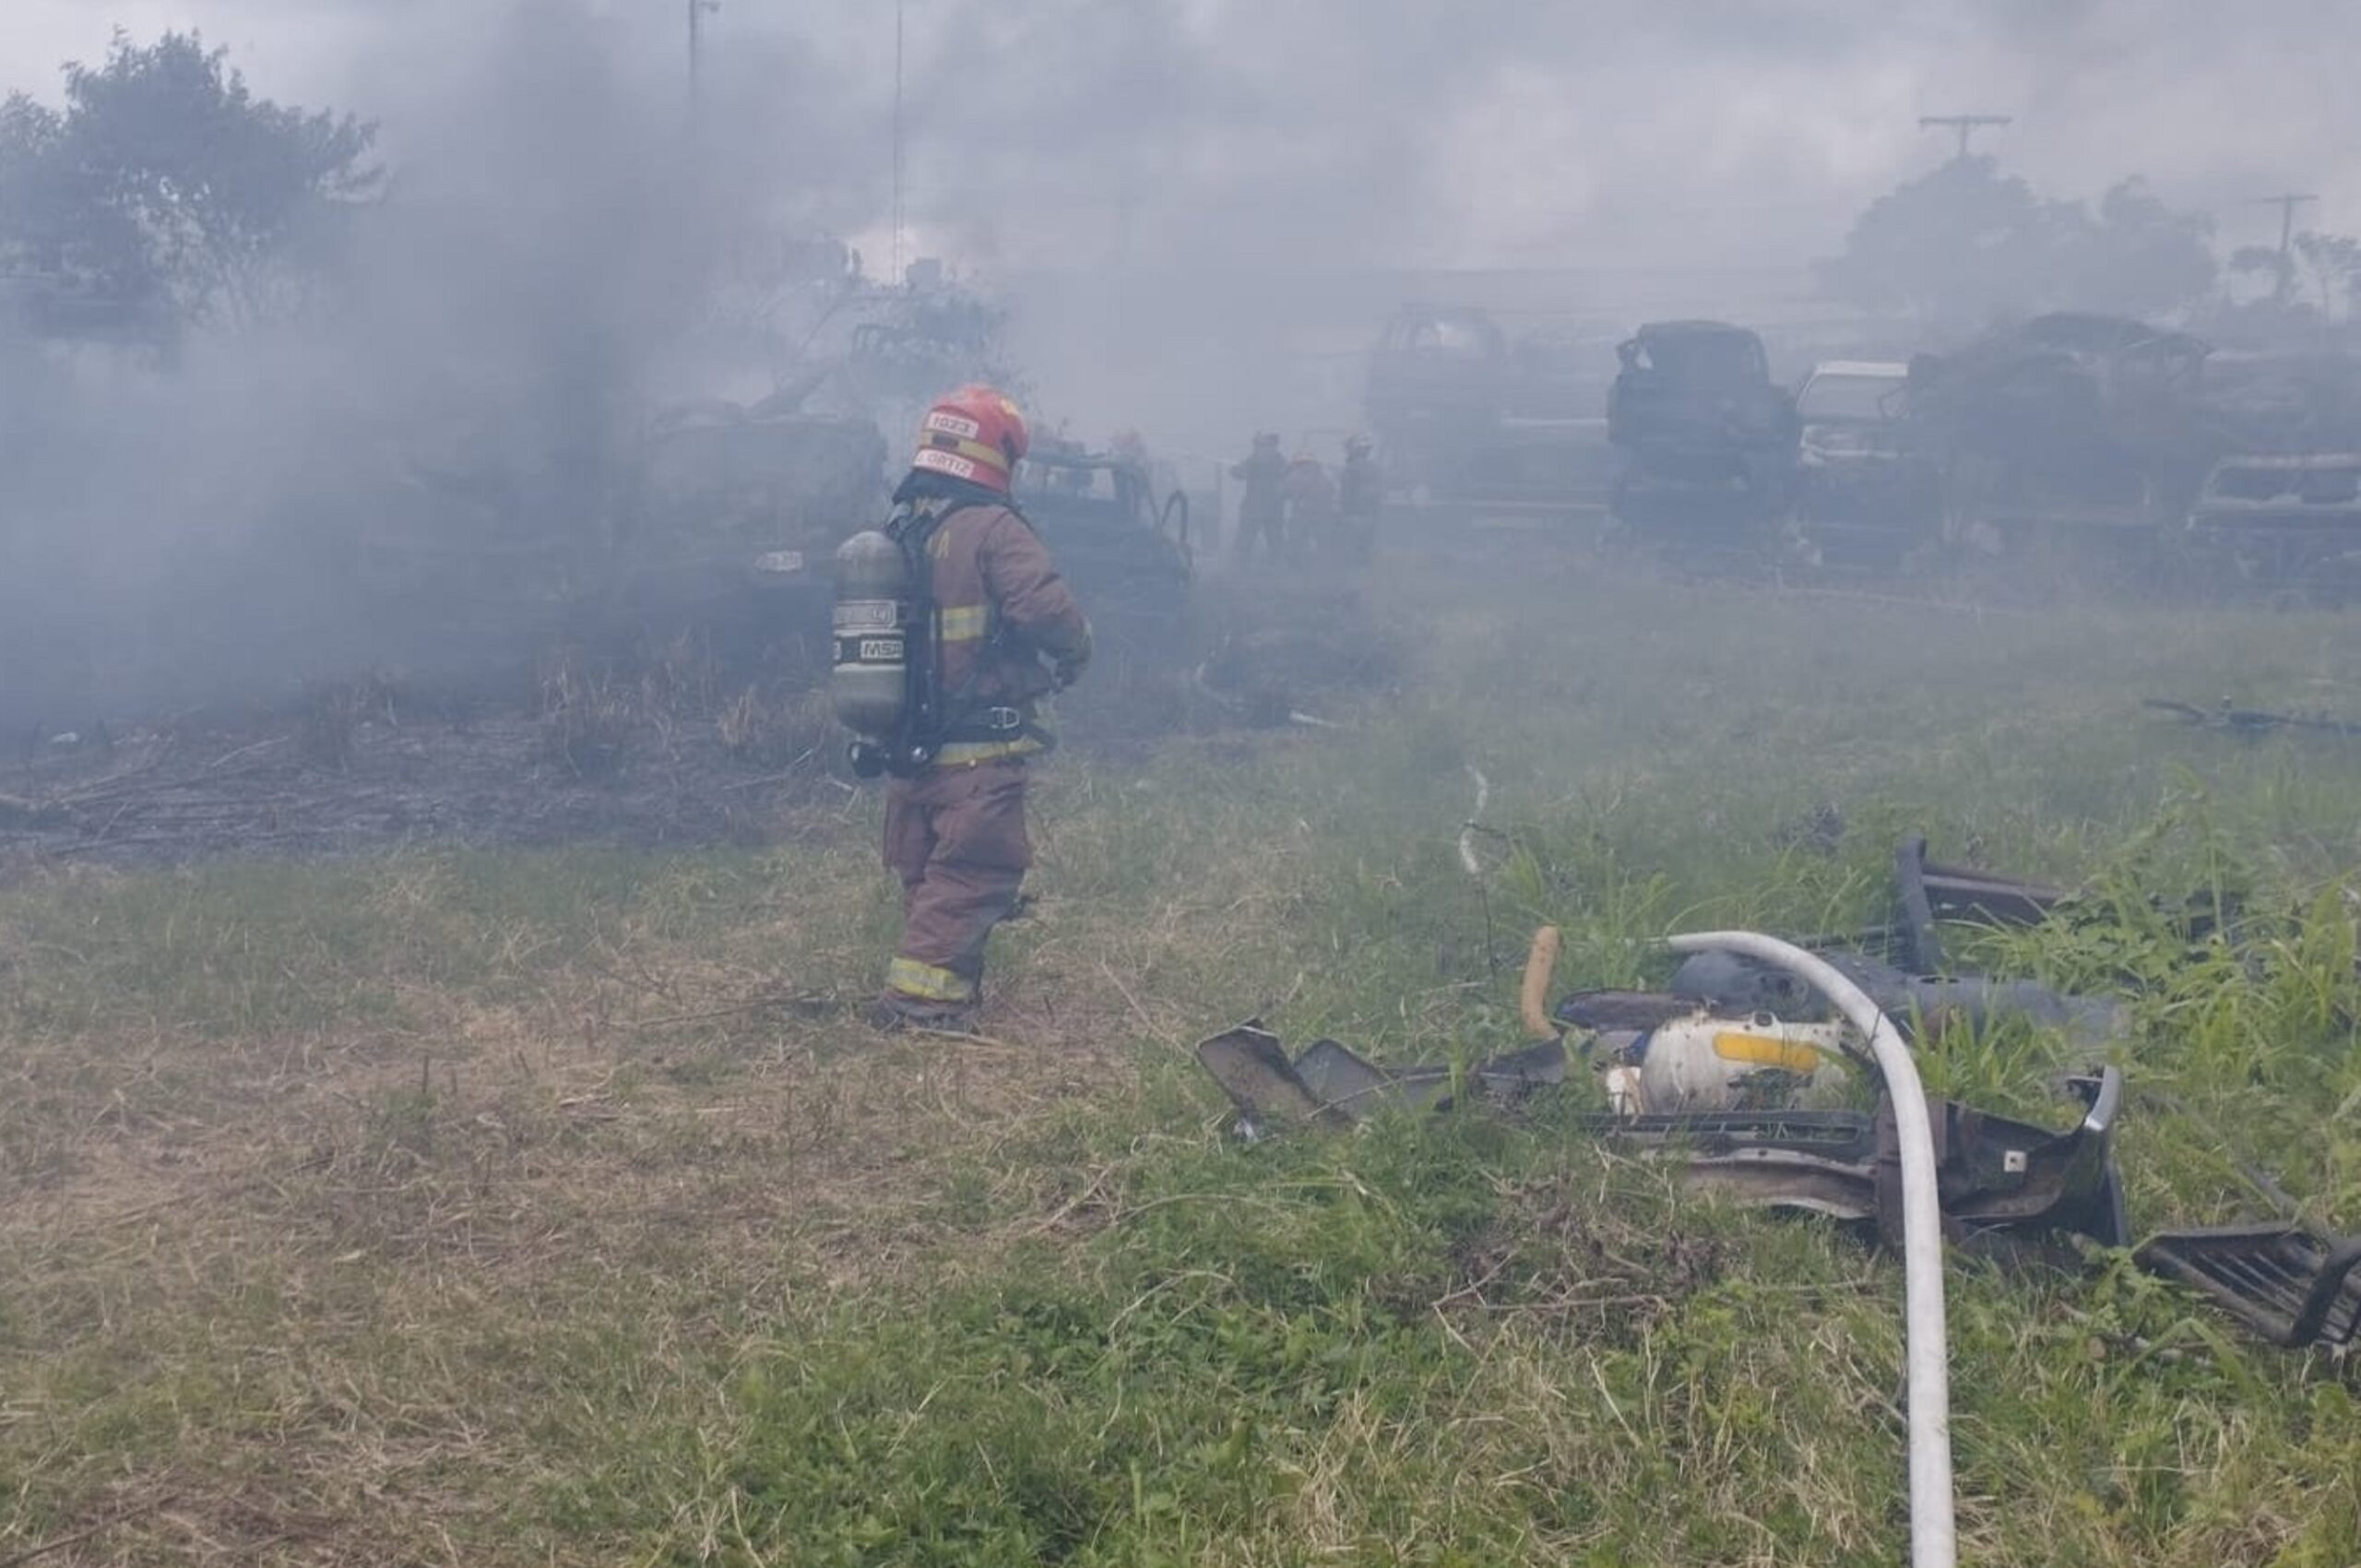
1261,509
1311,505
1006,632
1361,494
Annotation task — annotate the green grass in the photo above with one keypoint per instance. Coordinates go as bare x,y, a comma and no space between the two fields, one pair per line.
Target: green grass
503,1207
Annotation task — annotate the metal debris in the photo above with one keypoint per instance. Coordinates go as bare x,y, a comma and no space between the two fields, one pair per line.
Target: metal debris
2289,1285
2247,722
1995,1174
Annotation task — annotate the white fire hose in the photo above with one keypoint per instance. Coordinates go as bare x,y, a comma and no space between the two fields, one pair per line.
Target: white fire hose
1933,1534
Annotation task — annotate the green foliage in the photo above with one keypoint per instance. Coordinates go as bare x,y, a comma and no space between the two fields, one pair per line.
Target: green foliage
166,186
2316,278
1965,242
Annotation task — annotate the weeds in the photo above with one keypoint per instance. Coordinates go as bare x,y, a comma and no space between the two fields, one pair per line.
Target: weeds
588,722
553,1207
780,731
333,716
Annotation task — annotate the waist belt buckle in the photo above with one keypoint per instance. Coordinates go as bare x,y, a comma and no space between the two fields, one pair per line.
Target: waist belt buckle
1001,720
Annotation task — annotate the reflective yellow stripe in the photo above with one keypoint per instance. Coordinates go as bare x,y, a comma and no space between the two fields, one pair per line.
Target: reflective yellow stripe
927,982
966,622
990,456
965,753
1763,1050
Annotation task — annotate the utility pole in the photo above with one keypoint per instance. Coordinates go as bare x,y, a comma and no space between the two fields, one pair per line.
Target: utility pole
895,280
2286,205
1965,124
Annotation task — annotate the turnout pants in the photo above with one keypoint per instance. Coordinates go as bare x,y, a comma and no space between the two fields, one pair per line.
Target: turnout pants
1269,526
955,837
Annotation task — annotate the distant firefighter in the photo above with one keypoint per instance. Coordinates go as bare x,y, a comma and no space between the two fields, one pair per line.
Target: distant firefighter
1261,509
1361,497
1311,505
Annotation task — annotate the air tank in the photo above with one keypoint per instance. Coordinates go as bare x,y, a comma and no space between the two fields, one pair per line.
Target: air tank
869,681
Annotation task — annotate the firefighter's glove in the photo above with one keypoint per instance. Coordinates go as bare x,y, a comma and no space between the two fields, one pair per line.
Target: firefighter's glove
1066,668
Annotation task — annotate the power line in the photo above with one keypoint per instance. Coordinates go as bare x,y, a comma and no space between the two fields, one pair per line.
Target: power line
1965,124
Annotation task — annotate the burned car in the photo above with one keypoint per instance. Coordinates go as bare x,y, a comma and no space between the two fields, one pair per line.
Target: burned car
2279,514
1865,493
2288,524
1121,539
1709,443
2069,428
1472,423
728,525
1438,385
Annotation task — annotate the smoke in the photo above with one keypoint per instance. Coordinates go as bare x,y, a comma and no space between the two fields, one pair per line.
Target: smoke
1490,132
1508,133
1199,208
246,513
1187,191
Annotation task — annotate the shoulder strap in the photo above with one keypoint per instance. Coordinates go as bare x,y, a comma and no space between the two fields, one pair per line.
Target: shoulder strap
937,717
913,523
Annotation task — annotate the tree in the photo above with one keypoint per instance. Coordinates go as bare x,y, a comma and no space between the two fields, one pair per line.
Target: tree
2334,262
2315,282
2137,256
1941,246
165,184
1966,243
2270,262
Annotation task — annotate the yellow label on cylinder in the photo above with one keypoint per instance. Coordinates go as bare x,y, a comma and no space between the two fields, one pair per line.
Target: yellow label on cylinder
1766,1050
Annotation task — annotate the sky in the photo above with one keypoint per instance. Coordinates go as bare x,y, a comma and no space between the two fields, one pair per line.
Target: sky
1479,133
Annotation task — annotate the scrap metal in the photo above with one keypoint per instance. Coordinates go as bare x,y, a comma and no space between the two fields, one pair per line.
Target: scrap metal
2293,1288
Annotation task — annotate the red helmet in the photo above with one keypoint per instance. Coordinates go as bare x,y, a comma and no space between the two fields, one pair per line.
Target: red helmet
975,434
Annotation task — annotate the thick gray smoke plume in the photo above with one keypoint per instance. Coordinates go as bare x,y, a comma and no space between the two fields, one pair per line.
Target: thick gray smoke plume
1201,208
198,526
1511,132
1487,133
1186,189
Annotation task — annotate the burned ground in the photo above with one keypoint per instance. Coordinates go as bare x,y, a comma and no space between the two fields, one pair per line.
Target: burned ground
368,767
661,749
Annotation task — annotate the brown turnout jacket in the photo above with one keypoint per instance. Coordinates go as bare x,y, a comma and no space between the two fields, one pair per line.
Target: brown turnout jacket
1000,606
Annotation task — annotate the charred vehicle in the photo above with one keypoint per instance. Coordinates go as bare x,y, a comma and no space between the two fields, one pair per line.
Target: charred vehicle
712,521
2281,513
1470,420
2289,525
1708,442
2069,429
1122,538
730,519
1866,495
1437,387
1547,453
